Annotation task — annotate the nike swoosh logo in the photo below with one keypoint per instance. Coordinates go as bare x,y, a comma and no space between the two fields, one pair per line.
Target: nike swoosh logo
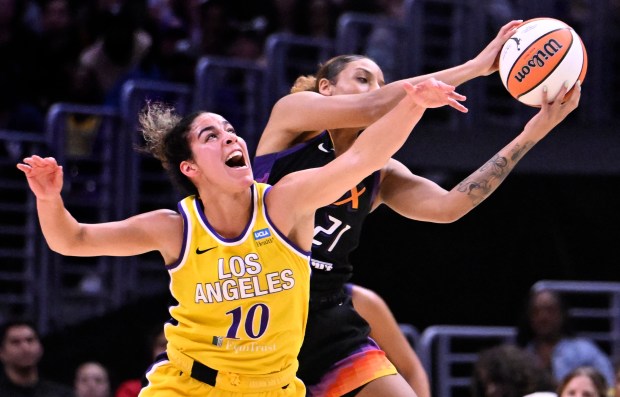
199,251
323,148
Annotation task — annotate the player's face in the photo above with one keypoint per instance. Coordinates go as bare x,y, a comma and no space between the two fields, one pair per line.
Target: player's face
358,77
220,156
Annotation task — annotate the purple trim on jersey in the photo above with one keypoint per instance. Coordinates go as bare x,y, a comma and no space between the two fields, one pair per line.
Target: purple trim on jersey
176,263
275,229
263,164
202,215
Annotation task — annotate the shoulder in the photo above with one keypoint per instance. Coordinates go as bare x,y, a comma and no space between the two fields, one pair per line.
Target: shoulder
163,217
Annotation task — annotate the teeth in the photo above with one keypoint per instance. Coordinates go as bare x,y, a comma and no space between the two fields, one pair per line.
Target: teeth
236,153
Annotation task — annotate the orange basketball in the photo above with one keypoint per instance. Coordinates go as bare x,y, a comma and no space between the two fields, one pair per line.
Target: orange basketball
542,52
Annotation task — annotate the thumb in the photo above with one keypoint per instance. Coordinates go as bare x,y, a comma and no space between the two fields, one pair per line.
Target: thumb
58,178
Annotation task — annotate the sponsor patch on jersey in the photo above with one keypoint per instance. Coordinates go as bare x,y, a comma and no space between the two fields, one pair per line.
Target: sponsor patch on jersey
261,234
321,265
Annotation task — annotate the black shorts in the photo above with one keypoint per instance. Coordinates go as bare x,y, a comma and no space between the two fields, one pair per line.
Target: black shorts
334,331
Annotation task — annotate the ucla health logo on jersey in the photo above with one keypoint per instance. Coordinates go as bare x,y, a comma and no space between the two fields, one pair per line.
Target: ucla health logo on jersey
261,234
264,235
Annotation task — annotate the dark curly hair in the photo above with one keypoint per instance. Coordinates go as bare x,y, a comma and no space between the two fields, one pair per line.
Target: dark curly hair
512,371
166,136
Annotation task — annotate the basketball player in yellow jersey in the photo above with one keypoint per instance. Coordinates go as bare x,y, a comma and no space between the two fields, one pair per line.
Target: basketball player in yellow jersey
240,323
238,251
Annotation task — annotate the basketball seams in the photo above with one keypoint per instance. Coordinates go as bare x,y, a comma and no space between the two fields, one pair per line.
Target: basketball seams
519,58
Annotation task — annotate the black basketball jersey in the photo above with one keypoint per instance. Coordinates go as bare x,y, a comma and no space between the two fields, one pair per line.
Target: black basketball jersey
337,227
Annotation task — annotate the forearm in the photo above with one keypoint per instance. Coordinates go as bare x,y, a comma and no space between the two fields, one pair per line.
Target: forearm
381,101
373,139
486,179
60,229
455,76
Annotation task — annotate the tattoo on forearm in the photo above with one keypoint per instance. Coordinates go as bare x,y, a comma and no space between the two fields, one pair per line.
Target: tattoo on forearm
479,185
519,151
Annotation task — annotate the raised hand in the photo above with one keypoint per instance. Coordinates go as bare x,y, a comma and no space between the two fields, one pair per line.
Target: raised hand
487,60
432,93
44,175
552,112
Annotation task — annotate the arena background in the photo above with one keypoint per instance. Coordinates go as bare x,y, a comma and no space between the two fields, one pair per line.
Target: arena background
555,217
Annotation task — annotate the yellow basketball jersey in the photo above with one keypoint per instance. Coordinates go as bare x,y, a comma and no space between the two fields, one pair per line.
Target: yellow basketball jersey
242,302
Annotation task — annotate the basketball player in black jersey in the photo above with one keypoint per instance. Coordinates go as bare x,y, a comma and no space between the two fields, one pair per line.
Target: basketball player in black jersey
318,122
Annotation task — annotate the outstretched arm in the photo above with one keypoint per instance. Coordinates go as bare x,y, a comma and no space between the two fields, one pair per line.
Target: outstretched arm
302,192
65,235
297,113
420,199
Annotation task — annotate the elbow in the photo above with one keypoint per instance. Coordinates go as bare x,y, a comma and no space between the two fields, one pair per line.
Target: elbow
64,245
451,217
59,247
447,216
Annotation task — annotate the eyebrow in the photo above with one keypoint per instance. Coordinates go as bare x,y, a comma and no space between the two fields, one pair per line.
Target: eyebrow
208,128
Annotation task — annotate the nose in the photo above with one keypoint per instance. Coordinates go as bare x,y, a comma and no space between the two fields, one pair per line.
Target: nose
232,138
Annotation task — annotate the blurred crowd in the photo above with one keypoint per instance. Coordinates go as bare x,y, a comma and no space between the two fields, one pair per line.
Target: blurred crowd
82,51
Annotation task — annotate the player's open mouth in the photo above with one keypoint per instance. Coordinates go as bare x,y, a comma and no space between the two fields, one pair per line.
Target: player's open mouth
236,159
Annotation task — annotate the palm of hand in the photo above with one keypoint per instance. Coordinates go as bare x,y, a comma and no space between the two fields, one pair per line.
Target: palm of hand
433,94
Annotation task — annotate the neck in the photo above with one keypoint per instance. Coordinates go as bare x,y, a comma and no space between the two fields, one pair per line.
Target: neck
230,214
343,139
26,376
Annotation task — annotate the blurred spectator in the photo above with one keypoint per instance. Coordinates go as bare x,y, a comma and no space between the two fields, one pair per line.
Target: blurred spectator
583,382
315,18
60,49
116,54
92,380
508,371
383,42
171,24
216,33
20,353
156,346
92,16
234,28
545,330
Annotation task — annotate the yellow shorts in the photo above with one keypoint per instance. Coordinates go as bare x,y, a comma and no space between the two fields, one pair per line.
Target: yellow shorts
165,379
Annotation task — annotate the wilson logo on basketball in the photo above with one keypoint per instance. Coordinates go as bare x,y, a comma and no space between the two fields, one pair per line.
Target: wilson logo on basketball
543,53
546,54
